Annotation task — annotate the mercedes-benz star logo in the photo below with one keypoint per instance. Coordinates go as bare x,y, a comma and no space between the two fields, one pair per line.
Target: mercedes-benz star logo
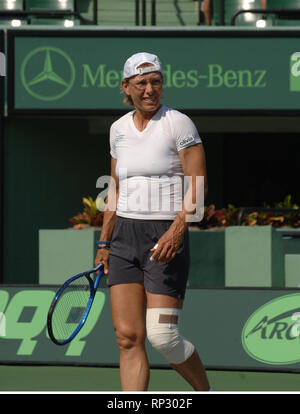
47,73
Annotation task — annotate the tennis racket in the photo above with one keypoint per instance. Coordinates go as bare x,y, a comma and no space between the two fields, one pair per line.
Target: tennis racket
71,305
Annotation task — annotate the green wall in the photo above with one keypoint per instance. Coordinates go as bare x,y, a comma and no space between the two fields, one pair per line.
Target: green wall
50,164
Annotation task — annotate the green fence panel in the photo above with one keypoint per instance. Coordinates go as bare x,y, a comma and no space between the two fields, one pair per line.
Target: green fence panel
254,257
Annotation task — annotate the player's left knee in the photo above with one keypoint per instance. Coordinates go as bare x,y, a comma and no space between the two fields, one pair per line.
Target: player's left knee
163,334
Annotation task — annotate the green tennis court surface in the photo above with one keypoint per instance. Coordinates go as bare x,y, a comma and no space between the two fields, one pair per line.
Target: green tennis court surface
53,378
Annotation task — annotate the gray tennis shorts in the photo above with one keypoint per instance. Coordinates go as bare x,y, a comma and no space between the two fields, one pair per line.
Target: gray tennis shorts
129,258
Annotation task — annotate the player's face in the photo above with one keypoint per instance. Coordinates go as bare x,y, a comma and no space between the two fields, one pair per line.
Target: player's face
145,91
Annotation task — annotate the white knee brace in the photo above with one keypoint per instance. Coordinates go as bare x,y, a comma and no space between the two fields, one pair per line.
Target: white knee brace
164,336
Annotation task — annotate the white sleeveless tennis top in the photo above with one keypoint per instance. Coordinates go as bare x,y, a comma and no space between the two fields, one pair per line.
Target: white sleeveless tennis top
151,182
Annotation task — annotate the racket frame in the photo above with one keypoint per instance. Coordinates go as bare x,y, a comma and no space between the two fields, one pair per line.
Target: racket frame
93,288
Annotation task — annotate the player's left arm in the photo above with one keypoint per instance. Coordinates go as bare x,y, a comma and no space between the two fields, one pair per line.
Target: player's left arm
193,163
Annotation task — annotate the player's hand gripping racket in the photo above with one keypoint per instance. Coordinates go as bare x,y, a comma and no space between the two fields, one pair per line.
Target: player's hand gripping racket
71,305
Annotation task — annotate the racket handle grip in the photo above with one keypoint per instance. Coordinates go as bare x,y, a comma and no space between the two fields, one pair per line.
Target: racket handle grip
98,267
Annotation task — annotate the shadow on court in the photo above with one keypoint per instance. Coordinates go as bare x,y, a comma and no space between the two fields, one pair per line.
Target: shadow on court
53,378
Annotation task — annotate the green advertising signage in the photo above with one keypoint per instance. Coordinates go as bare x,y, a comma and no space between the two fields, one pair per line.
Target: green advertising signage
250,329
204,70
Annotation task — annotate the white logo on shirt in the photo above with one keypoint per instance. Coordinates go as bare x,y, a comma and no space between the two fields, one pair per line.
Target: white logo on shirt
186,141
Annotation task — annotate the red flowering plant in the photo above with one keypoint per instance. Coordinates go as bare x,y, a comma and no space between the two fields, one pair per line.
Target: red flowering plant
92,215
281,215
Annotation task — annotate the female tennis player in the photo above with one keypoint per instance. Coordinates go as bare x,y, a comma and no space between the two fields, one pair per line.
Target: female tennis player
153,148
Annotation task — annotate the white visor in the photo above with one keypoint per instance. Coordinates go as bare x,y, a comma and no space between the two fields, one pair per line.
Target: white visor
131,67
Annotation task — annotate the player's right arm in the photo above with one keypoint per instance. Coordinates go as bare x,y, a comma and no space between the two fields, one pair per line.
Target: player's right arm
109,216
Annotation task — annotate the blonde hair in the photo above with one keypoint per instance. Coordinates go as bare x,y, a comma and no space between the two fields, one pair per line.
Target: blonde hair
127,100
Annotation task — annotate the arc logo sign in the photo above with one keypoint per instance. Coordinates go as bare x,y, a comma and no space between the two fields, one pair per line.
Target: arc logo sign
271,334
47,73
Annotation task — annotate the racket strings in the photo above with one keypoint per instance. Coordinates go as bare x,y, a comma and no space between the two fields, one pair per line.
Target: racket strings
70,308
